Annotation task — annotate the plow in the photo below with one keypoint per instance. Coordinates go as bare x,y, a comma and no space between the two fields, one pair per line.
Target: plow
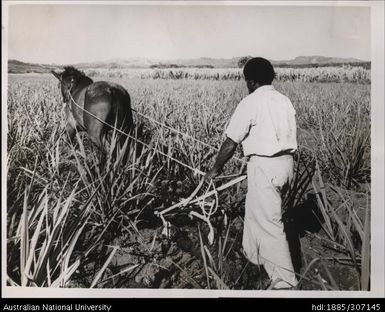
207,207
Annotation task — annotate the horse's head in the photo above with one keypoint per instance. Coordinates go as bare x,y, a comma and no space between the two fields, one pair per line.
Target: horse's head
68,80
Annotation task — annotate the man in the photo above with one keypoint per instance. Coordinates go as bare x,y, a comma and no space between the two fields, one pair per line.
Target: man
264,122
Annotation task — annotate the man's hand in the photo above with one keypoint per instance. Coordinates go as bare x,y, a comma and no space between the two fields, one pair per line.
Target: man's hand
211,174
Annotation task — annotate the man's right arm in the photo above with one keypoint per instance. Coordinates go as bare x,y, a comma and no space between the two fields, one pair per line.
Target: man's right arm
237,129
225,153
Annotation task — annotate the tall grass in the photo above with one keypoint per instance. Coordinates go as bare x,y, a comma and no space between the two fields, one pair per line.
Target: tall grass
65,205
349,232
322,74
334,122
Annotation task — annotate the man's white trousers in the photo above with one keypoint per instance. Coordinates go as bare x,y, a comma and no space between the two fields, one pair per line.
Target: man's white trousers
264,239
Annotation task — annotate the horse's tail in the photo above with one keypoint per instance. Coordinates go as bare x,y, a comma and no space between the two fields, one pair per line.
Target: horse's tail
120,114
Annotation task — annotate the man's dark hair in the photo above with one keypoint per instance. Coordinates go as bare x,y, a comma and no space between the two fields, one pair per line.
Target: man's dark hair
259,70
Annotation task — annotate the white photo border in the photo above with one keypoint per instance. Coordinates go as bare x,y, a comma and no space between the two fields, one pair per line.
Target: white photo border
377,165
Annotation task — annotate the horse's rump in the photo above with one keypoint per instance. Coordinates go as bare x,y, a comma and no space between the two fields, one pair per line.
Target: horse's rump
109,102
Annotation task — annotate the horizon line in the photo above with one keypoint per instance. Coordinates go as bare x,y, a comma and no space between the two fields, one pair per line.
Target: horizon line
112,59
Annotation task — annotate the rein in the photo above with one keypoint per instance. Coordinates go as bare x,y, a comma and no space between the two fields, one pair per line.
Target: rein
195,170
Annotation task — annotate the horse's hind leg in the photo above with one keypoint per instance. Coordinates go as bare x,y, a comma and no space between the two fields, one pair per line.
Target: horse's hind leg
95,132
125,144
96,135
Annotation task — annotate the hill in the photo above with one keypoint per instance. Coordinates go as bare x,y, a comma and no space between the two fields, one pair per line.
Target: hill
320,60
15,66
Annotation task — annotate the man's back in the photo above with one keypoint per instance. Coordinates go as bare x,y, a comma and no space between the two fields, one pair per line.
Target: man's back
264,122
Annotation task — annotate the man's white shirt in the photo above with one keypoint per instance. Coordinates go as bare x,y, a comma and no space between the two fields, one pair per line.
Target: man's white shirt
264,122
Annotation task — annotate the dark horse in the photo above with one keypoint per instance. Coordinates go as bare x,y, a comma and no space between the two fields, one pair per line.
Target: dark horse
108,101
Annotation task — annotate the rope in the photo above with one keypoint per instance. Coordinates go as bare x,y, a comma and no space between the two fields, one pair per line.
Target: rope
181,133
195,170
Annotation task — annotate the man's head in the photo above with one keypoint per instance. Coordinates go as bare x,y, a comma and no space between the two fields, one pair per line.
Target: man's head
258,72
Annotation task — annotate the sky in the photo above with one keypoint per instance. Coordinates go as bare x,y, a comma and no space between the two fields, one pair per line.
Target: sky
70,34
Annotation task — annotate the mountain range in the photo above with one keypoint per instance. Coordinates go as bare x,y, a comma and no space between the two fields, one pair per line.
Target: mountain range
16,66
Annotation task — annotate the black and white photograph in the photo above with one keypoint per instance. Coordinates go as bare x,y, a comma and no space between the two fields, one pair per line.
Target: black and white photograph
192,149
